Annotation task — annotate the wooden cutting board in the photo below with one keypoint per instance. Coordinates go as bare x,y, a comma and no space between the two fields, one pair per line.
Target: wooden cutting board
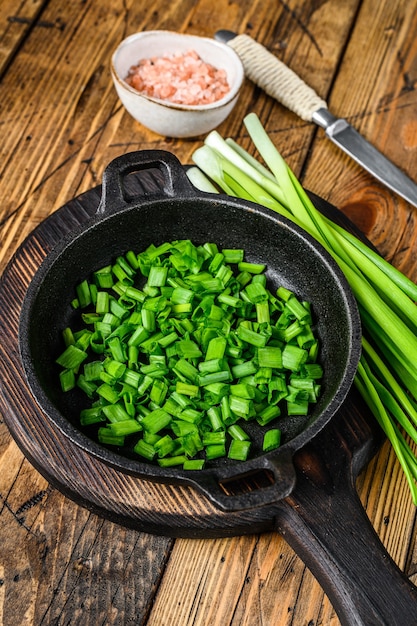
173,510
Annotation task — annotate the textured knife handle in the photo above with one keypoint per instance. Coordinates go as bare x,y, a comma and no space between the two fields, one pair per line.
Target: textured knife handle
274,77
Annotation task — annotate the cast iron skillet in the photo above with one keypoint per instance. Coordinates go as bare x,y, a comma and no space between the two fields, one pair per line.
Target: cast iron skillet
123,222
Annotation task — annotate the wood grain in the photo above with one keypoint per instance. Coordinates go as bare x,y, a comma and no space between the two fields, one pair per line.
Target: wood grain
15,24
60,124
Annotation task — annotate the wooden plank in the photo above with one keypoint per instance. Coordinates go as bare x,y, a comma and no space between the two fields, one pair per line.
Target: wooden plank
57,559
201,589
230,582
15,22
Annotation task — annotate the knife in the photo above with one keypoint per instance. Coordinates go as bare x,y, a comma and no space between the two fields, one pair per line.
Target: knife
280,82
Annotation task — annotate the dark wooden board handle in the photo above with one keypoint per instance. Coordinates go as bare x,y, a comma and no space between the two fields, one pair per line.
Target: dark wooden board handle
325,523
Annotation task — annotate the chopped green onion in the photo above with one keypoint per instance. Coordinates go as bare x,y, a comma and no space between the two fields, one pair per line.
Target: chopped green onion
214,438
188,349
91,415
252,268
156,421
216,348
171,461
68,336
237,432
157,276
239,449
293,357
105,436
256,292
115,413
165,445
233,256
241,370
215,418
145,449
241,406
272,439
243,390
67,379
182,348
72,357
215,451
273,357
125,427
193,464
268,414
186,389
83,294
104,277
251,336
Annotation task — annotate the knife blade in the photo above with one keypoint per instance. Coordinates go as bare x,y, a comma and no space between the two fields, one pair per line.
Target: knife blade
280,82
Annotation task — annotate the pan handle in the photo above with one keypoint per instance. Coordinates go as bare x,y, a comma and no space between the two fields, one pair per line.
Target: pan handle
329,529
115,194
269,480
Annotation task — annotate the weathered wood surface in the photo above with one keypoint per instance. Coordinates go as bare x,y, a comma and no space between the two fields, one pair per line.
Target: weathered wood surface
60,124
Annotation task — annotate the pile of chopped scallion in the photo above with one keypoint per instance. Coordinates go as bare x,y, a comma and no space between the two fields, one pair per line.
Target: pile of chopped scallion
387,373
181,346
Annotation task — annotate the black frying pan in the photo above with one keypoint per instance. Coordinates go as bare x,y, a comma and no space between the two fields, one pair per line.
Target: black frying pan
293,259
121,224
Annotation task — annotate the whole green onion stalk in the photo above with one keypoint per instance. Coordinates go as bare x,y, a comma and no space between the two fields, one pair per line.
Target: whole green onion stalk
387,374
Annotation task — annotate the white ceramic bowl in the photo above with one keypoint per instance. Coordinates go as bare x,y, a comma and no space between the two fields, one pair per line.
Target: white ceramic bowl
164,117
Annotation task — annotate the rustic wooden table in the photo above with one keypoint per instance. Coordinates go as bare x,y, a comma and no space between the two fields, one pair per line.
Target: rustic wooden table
60,124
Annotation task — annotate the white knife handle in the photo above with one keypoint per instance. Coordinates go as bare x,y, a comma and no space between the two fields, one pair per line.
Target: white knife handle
274,77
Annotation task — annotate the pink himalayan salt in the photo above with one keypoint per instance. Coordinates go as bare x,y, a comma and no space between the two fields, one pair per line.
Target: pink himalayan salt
179,78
